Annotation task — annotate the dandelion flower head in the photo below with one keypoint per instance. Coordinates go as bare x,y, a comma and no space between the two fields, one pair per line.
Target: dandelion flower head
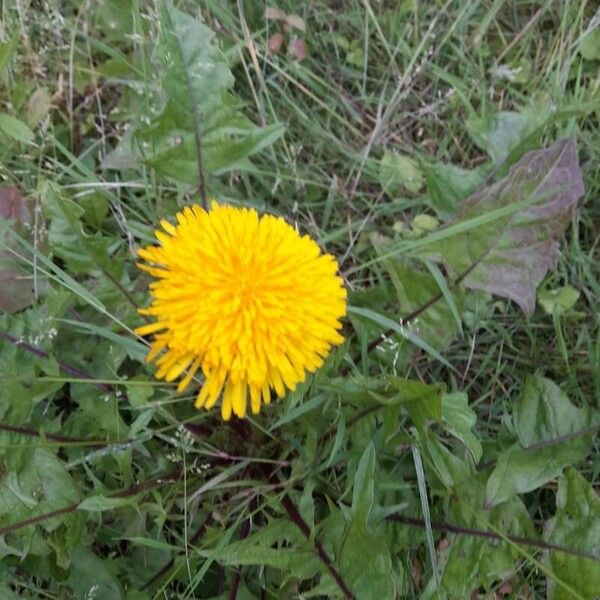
246,299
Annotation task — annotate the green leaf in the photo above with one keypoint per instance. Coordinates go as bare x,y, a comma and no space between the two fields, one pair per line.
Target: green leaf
543,414
470,562
243,553
199,107
552,434
95,208
152,543
451,471
16,129
36,482
363,489
422,485
91,576
507,130
448,185
141,421
57,485
576,525
510,255
422,401
423,222
559,300
38,106
7,49
114,19
81,251
373,579
101,503
220,153
474,562
139,391
459,419
340,436
589,47
190,60
136,350
269,546
405,332
397,171
438,324
356,57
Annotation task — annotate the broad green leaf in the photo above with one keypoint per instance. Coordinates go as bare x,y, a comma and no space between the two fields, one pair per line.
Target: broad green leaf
506,135
397,171
196,79
16,129
7,49
448,185
576,525
552,434
558,300
543,413
114,19
95,208
459,419
36,482
96,411
519,471
136,350
221,153
510,256
101,503
38,106
590,45
405,332
59,491
57,485
141,421
507,130
422,401
424,222
437,324
470,562
474,562
374,578
270,546
139,391
194,72
366,564
451,471
81,251
92,576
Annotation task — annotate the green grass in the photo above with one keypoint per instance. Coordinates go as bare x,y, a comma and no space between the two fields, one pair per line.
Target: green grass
425,80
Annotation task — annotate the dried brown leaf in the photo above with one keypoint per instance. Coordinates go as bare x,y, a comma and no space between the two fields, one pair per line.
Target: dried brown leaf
296,22
275,14
275,42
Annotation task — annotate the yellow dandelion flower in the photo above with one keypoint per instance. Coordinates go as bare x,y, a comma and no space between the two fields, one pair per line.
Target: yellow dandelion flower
246,299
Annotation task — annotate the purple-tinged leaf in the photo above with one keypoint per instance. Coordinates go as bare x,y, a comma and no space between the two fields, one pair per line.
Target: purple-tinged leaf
510,255
16,286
